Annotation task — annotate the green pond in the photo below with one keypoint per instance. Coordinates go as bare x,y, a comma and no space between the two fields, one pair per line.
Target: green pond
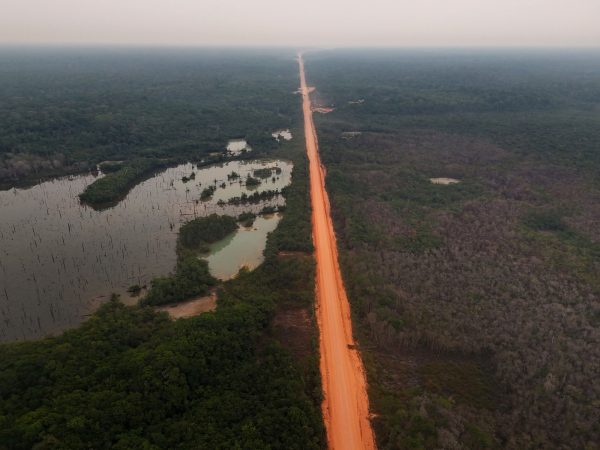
244,248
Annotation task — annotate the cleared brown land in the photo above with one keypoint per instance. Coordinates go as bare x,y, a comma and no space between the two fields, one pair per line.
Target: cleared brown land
191,308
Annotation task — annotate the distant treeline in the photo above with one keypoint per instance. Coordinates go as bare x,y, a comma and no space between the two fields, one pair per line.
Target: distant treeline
65,110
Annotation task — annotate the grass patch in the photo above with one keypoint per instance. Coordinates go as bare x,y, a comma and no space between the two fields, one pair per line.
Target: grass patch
465,382
422,240
418,194
565,248
545,220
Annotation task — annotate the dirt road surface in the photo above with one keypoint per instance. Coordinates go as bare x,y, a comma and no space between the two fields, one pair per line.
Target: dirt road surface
346,404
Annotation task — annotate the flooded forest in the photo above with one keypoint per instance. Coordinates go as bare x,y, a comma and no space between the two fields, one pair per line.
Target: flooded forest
68,242
61,259
138,187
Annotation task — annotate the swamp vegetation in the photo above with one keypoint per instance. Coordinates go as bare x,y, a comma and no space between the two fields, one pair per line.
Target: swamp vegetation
62,258
108,190
130,378
191,277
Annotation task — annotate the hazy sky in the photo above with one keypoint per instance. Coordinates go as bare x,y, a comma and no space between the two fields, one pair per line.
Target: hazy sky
302,23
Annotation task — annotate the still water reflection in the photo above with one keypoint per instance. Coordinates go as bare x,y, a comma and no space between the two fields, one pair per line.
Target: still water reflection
244,248
59,259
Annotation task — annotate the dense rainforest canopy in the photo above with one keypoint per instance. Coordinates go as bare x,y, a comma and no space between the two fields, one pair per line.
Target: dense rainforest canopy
478,301
65,110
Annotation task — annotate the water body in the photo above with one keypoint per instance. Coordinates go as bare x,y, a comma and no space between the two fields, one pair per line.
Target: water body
444,180
244,248
236,147
286,135
59,259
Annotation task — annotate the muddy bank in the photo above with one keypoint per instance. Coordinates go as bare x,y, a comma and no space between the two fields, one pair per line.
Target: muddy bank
192,307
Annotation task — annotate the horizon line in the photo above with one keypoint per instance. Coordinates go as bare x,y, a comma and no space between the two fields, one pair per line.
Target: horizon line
297,47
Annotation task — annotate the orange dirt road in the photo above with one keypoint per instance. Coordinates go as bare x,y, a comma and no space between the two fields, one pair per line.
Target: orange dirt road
346,404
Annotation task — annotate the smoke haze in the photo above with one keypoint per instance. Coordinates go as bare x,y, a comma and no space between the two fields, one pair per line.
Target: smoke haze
306,23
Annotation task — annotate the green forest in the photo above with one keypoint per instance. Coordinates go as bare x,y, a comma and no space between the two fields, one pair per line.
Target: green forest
476,302
129,377
191,277
197,234
108,190
64,110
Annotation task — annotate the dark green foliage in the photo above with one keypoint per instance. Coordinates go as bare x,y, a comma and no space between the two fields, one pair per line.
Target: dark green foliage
545,221
129,378
421,240
295,229
252,182
198,233
64,110
422,193
464,381
207,193
266,172
114,186
191,279
134,290
110,166
537,102
246,219
255,197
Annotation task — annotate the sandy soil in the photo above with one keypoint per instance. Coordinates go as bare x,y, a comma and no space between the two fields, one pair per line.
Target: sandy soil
191,308
346,404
